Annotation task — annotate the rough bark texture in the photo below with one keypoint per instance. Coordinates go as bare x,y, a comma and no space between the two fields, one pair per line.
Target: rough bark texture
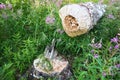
78,19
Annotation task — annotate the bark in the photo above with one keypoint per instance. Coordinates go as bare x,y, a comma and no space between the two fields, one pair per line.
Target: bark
78,19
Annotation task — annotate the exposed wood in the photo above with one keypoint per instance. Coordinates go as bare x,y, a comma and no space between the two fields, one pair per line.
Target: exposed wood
78,19
51,65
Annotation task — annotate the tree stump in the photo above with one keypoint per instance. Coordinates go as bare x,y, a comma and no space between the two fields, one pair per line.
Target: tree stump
78,19
50,64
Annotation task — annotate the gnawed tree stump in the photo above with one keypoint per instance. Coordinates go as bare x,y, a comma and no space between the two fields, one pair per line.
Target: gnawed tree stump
51,65
78,19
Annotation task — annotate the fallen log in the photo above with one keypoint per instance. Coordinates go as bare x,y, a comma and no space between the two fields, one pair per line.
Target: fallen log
78,19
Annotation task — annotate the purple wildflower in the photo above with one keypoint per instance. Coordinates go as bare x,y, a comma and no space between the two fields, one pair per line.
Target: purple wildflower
96,45
2,6
115,39
50,20
60,31
112,2
96,55
93,51
116,46
9,6
111,16
104,74
58,3
110,49
117,65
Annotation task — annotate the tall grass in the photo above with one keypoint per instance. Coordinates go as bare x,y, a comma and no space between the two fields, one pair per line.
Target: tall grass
24,35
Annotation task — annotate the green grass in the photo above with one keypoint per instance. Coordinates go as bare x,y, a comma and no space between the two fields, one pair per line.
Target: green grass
24,36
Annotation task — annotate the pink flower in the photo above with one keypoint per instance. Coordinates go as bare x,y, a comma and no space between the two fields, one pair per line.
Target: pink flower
9,6
116,46
117,65
60,31
59,3
96,55
2,6
115,39
111,16
96,45
93,51
110,49
104,74
50,20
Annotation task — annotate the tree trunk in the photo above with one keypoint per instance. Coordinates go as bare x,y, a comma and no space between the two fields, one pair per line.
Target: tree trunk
78,19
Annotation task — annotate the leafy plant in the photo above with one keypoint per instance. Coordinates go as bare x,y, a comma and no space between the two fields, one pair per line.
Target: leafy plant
24,34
